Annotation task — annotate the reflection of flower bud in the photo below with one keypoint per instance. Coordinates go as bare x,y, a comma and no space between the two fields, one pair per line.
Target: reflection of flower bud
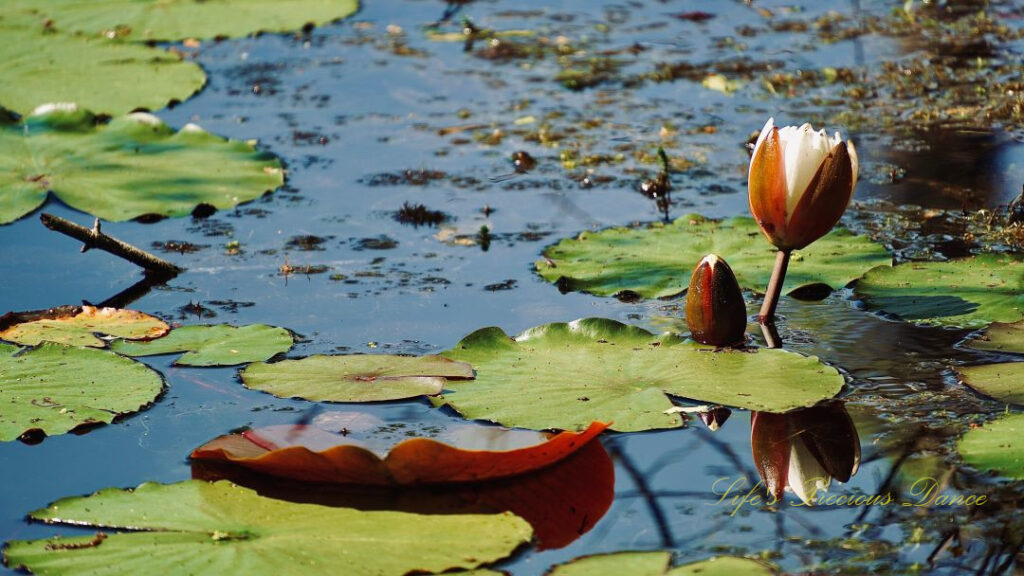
715,417
805,449
800,182
715,312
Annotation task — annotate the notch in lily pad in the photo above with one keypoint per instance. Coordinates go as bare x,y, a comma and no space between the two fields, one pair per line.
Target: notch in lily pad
566,375
653,261
52,389
192,526
356,377
214,345
79,326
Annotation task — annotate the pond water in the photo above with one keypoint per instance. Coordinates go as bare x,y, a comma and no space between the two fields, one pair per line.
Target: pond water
371,113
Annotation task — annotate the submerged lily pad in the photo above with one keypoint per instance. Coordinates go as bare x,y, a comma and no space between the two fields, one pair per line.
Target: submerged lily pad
657,564
55,388
136,165
78,326
197,527
216,345
998,446
967,292
1001,337
309,454
355,377
180,19
656,261
1003,381
565,376
43,65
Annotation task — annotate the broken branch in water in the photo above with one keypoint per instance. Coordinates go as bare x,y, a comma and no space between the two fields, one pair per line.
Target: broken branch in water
95,238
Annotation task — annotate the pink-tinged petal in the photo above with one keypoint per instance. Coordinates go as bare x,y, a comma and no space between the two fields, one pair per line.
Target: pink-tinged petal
825,200
770,444
767,185
715,311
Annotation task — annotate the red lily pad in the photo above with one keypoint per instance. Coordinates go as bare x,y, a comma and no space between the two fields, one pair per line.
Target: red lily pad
561,502
310,454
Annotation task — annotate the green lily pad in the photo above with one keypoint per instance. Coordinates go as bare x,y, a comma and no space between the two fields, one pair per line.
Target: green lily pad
216,345
656,261
196,527
1001,337
43,65
136,165
355,377
998,445
55,388
657,564
180,19
1003,381
565,376
78,326
967,292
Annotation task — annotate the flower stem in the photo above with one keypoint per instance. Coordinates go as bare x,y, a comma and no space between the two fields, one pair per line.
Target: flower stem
771,297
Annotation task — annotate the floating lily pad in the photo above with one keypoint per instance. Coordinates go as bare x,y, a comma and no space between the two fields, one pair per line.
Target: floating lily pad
565,376
78,326
967,292
309,454
136,165
197,527
45,65
55,388
1003,381
655,261
180,19
355,377
657,564
1001,337
998,445
216,345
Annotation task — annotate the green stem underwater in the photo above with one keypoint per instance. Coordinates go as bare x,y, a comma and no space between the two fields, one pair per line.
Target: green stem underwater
771,296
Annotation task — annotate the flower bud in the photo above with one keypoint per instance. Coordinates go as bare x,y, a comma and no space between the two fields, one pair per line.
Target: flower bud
715,312
800,183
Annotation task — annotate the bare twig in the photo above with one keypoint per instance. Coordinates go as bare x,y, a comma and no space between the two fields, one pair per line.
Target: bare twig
95,238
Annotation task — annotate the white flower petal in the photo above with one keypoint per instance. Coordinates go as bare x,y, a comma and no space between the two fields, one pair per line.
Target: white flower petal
804,151
806,476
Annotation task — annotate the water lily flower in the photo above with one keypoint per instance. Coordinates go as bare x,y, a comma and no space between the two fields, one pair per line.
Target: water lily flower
715,312
804,450
800,183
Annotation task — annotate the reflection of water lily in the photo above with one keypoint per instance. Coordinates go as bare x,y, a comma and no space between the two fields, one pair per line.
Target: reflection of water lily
715,312
805,449
800,183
